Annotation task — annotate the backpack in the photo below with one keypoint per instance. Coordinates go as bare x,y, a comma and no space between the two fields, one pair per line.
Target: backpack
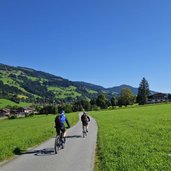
59,121
84,118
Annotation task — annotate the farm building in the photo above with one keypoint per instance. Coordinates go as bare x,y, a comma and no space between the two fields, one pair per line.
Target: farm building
25,110
4,112
158,98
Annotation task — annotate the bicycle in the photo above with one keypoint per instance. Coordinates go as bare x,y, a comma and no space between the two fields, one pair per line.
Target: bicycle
84,131
59,142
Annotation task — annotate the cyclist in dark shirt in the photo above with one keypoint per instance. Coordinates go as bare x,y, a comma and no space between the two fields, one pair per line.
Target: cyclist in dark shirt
60,121
85,119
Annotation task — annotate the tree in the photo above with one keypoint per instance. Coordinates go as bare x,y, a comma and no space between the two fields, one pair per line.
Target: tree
86,105
169,97
113,101
67,108
49,109
102,101
82,105
126,97
143,92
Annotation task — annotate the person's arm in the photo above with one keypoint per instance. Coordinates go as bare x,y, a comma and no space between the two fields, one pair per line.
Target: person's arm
81,118
88,118
66,120
55,123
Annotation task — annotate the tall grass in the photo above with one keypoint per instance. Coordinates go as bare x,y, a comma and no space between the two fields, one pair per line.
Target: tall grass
134,139
27,132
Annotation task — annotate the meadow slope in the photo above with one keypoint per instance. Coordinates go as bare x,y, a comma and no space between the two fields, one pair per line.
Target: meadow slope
134,138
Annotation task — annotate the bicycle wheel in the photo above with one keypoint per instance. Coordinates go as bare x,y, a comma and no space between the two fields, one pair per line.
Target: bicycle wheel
84,133
56,145
62,143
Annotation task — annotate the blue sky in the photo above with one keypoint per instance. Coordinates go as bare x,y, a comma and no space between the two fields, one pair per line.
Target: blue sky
107,43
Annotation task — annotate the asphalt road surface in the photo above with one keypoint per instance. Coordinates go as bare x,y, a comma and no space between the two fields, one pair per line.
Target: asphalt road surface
78,154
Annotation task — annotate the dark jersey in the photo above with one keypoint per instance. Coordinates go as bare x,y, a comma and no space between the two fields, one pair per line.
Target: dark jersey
60,121
85,119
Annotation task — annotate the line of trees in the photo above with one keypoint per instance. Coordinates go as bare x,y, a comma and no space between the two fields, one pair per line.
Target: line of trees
101,102
125,98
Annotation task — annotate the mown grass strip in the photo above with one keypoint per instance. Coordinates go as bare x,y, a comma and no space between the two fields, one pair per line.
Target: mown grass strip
134,138
27,132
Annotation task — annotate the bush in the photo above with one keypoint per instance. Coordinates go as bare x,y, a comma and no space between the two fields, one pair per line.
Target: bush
12,117
95,107
29,115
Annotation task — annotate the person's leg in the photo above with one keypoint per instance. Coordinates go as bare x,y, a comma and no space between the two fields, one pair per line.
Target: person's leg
87,127
57,131
84,127
64,135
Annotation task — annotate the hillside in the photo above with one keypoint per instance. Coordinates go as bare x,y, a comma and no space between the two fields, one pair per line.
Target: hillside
25,84
29,85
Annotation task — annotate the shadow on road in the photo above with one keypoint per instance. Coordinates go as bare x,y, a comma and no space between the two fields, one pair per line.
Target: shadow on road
74,136
41,152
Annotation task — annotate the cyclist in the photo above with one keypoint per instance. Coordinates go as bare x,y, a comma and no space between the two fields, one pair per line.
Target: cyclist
60,121
85,119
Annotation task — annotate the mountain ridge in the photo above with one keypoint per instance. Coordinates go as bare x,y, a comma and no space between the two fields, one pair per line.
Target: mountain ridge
30,84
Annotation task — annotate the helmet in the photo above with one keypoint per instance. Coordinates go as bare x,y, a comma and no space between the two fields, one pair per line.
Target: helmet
62,112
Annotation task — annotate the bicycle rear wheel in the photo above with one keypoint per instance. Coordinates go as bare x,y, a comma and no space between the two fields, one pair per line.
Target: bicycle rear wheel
62,143
84,133
56,145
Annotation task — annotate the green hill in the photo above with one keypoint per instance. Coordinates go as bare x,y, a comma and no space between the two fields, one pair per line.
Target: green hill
21,84
6,102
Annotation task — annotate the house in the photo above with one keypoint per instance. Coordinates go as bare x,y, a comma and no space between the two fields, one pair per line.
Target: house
21,112
25,110
158,98
4,112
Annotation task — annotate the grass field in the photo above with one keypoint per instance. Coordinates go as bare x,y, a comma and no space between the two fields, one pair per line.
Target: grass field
27,132
62,93
5,102
134,139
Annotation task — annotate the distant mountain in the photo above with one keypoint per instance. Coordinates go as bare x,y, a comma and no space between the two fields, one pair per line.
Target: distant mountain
118,89
89,85
26,84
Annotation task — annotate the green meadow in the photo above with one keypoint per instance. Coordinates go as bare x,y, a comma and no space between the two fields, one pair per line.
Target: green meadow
26,132
5,102
129,139
62,93
134,139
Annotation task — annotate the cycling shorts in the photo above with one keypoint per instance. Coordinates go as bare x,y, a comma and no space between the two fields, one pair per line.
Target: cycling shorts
63,129
85,123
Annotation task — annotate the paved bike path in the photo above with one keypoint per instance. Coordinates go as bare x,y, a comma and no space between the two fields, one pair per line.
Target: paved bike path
78,154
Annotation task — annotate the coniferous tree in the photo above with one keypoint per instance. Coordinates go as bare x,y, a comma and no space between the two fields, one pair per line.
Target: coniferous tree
169,97
143,92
